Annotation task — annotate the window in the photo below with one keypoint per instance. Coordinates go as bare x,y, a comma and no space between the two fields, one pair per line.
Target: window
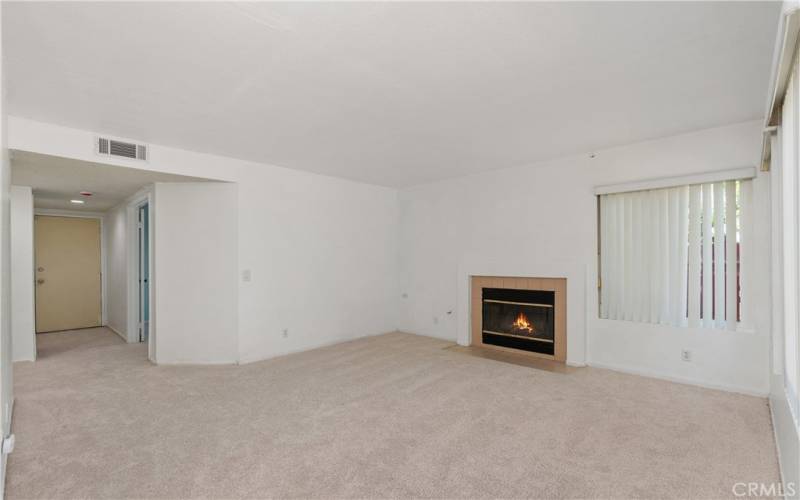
674,256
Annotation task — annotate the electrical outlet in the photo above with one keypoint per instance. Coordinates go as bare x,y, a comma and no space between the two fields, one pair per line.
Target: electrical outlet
285,333
247,275
436,320
686,355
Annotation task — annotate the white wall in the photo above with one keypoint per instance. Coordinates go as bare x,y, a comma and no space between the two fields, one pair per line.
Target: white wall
195,273
323,258
333,244
542,220
23,324
327,241
6,373
115,223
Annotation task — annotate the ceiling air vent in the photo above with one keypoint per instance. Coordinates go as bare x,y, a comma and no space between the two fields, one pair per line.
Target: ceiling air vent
113,147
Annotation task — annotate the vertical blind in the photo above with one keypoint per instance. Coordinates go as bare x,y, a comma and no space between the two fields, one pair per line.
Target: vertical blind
675,256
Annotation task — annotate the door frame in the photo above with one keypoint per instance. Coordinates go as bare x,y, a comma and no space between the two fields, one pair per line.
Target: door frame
49,212
136,201
142,235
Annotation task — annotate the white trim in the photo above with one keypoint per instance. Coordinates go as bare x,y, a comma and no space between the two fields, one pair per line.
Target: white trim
785,45
248,360
776,255
123,337
62,212
766,148
783,423
50,212
684,180
741,328
782,62
9,425
772,417
145,195
678,380
4,456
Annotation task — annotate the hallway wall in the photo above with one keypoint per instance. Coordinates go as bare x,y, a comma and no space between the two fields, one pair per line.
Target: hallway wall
23,322
329,241
195,273
116,247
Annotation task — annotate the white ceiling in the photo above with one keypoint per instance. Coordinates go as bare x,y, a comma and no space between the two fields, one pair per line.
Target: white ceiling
56,181
389,93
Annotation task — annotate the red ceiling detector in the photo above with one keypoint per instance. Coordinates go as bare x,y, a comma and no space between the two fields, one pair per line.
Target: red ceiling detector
86,193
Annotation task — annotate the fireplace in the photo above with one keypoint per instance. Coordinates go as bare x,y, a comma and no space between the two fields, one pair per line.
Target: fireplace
520,314
519,319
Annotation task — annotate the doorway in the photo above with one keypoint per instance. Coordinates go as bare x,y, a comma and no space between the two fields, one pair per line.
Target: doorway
143,270
68,267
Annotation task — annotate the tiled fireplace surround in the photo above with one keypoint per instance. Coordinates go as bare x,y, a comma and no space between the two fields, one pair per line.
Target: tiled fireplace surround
556,285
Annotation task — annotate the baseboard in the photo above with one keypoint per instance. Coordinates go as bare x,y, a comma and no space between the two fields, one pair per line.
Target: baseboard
3,462
427,336
431,336
10,417
681,380
781,470
788,460
4,459
179,362
124,337
256,359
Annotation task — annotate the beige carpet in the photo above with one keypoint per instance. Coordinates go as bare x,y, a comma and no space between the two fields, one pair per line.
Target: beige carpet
389,416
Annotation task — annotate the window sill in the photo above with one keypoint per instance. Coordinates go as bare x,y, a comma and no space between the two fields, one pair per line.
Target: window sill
739,328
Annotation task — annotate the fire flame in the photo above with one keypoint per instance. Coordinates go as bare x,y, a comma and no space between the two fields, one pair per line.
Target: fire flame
522,323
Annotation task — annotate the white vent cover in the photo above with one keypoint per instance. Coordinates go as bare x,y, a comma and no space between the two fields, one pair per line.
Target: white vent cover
113,147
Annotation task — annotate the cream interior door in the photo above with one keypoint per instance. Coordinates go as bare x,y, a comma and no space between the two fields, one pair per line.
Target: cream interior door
68,290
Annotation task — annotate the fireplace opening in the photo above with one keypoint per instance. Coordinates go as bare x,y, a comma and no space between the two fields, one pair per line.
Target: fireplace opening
519,319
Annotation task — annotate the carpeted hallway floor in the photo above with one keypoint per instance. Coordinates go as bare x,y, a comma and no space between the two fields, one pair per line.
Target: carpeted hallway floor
390,416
